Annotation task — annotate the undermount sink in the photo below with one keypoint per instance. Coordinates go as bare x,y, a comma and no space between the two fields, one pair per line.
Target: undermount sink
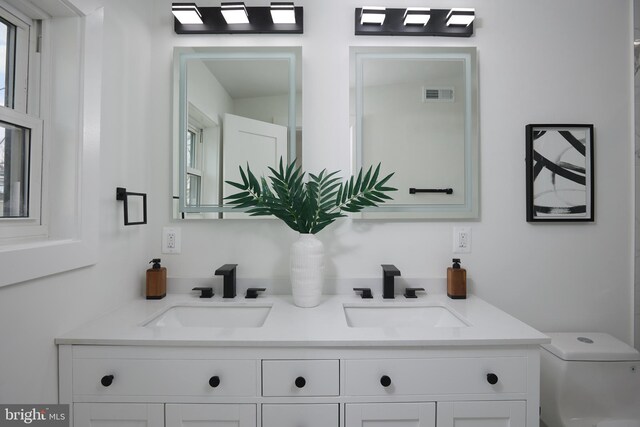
381,316
212,316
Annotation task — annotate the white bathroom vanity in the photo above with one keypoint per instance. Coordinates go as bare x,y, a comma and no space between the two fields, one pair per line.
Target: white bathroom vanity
183,361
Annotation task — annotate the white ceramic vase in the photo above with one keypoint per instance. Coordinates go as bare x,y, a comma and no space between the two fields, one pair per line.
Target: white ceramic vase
307,270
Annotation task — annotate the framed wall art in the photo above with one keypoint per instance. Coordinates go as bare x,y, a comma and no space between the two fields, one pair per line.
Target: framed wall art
559,162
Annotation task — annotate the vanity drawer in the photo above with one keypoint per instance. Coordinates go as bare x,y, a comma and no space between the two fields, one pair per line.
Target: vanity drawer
312,415
300,378
161,377
436,376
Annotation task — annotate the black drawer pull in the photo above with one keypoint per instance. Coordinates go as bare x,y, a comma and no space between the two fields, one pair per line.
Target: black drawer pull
214,381
385,381
492,378
106,380
300,382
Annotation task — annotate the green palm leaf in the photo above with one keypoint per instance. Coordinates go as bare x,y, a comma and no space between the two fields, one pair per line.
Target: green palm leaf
308,206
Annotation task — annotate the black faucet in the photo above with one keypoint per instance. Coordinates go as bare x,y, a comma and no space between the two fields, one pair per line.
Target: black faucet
389,271
228,271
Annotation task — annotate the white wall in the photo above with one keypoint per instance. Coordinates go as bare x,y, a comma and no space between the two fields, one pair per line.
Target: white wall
532,70
32,314
539,62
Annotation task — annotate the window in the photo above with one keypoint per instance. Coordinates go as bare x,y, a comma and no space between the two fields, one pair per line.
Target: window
15,144
20,130
194,165
56,61
7,38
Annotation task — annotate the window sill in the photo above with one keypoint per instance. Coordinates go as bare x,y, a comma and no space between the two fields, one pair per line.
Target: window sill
28,261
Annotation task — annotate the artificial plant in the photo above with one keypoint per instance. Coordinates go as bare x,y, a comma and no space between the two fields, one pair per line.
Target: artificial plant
308,206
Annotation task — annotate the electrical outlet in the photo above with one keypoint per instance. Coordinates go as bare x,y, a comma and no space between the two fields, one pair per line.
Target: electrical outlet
461,240
171,241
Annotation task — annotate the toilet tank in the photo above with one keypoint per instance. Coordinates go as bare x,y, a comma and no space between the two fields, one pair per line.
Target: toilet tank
588,376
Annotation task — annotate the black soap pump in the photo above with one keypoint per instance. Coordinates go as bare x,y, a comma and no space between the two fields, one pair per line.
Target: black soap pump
156,280
456,281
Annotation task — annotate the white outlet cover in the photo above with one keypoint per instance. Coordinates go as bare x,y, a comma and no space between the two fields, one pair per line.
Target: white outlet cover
461,240
167,233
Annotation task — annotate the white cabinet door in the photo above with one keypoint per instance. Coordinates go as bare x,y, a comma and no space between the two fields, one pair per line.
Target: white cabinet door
211,415
118,415
482,414
391,414
300,415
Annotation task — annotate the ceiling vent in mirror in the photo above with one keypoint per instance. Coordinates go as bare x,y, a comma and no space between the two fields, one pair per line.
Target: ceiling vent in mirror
437,94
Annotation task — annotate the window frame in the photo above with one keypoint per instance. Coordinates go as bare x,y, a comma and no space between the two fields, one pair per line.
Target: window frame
29,226
25,64
70,49
23,113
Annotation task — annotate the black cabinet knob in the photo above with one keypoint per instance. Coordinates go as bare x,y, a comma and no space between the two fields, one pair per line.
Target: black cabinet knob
214,381
106,380
300,382
492,378
385,381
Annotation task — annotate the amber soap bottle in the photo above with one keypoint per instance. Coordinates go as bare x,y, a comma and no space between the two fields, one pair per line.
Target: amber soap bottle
156,280
456,281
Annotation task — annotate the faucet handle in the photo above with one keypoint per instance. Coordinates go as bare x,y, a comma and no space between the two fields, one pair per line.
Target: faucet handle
365,292
253,292
411,292
205,292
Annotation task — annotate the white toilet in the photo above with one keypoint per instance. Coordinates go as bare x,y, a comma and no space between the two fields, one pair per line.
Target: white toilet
589,380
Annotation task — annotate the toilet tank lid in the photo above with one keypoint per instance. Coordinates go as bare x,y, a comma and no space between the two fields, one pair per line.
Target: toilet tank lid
589,346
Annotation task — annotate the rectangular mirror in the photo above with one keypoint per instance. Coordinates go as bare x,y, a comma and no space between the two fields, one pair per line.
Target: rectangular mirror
232,106
416,111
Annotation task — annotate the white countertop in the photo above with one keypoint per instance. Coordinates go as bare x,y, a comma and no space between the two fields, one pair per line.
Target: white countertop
321,326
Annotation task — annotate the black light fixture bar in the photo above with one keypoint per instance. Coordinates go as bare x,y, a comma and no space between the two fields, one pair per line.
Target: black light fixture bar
260,22
394,25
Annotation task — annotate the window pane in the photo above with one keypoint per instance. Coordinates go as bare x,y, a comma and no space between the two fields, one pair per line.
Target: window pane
193,190
7,61
191,149
14,171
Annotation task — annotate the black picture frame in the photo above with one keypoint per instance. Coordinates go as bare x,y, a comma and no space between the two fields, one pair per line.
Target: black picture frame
560,173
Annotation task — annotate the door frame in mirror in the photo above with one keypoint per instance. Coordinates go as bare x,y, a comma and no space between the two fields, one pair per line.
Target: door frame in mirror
182,55
470,208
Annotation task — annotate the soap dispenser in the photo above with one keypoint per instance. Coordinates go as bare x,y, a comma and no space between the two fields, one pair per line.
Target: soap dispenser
456,281
156,280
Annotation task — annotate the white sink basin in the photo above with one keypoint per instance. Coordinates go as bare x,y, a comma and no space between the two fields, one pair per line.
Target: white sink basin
212,316
381,316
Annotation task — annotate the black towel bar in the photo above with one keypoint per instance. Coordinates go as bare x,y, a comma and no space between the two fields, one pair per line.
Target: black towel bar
430,190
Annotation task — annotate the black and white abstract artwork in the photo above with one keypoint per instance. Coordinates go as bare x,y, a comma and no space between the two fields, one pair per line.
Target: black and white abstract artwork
559,173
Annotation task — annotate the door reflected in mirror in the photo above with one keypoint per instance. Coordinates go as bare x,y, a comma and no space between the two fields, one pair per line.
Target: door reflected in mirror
232,106
415,110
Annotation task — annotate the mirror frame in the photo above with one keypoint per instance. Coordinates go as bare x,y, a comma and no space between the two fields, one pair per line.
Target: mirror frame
470,208
182,55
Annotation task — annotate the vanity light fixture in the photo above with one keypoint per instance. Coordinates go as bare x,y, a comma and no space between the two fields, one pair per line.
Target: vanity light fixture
417,16
372,15
236,18
283,13
461,16
414,21
186,13
234,13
